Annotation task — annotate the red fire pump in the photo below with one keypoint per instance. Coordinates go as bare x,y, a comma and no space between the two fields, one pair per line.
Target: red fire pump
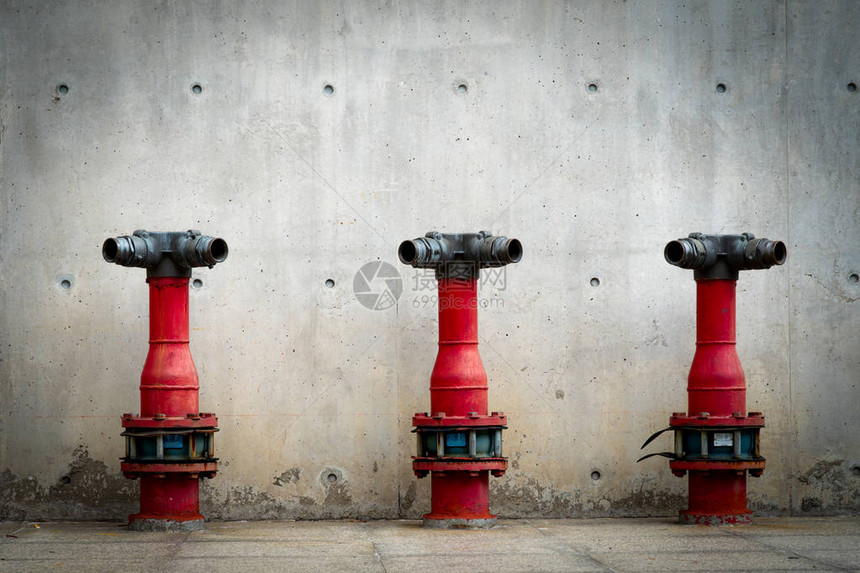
459,442
170,445
717,441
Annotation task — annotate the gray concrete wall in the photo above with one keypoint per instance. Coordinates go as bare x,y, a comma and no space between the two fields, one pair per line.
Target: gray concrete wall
308,186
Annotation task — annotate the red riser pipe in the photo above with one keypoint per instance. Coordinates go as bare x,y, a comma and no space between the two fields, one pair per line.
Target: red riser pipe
169,386
716,385
716,498
458,386
172,498
460,495
168,383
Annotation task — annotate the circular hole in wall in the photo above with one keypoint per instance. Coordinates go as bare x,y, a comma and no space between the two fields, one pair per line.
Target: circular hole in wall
332,478
595,281
595,475
328,89
65,480
329,283
855,470
721,88
853,278
65,284
592,87
63,89
462,88
196,89
852,87
197,283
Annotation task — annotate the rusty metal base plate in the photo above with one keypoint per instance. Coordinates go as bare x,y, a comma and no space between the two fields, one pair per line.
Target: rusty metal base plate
460,523
688,518
166,525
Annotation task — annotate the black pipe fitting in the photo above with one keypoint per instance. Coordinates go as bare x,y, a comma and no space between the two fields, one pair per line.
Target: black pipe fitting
764,253
500,251
425,252
723,256
130,251
454,254
165,254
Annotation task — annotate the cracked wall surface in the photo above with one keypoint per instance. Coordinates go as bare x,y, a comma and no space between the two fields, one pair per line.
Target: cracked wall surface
315,136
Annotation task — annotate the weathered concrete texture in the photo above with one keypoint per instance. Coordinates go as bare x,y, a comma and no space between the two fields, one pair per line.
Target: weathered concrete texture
88,489
824,465
784,544
441,115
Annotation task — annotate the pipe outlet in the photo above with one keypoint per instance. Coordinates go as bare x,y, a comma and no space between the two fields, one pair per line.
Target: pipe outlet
723,256
165,253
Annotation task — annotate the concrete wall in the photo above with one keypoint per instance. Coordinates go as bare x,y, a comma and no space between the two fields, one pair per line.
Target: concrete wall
308,187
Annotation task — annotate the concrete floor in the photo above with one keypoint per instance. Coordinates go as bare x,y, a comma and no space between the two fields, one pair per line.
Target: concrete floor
656,544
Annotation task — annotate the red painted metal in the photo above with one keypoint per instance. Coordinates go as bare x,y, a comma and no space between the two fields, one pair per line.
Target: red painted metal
168,383
199,468
496,466
752,420
458,384
716,397
168,497
191,420
458,397
717,497
473,420
169,492
717,465
460,495
716,383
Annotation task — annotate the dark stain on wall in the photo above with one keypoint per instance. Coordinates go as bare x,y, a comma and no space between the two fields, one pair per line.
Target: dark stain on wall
291,475
247,502
88,489
829,487
528,498
408,499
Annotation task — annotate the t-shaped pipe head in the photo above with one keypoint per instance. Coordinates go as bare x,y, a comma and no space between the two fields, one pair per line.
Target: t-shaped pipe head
165,254
454,254
723,256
